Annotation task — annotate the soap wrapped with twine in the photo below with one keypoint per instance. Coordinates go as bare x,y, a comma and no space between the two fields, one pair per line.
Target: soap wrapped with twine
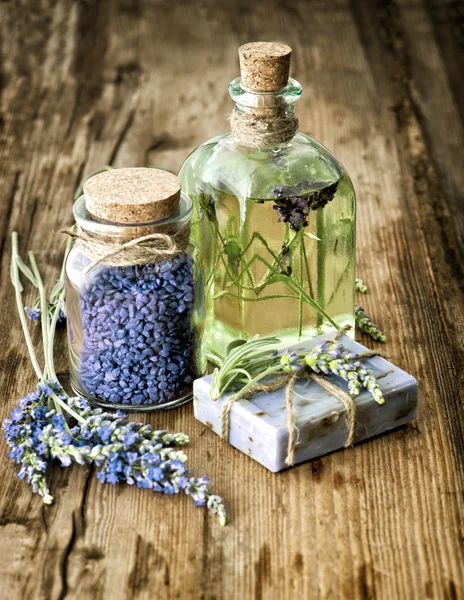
289,380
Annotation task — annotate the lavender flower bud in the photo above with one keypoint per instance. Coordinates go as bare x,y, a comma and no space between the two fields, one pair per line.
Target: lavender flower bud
360,286
363,321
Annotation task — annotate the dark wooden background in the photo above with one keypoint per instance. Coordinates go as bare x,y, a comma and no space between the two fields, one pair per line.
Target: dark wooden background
88,83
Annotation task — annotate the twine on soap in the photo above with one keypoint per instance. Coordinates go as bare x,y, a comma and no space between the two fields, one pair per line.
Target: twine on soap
269,129
289,380
255,389
291,421
147,249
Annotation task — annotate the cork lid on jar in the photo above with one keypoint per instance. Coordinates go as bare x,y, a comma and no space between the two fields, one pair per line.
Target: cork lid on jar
264,66
132,195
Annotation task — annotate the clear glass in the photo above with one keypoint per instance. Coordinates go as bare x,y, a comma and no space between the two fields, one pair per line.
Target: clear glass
134,333
272,266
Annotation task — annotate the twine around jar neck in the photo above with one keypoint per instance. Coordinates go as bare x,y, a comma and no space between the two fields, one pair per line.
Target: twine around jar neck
146,249
258,128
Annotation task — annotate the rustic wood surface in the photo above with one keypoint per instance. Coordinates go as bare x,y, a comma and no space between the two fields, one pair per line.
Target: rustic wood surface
88,83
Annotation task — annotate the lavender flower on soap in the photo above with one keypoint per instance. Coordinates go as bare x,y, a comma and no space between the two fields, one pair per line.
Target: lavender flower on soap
249,363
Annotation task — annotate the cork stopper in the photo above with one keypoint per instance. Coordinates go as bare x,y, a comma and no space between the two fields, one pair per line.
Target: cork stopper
133,195
264,66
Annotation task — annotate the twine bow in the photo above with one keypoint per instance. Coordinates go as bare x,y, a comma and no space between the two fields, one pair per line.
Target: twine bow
289,381
147,249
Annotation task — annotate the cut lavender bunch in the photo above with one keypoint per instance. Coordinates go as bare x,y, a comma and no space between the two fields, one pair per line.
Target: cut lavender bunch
125,451
364,323
38,433
362,319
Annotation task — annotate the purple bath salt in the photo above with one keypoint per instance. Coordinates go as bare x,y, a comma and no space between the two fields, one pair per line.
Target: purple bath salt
137,339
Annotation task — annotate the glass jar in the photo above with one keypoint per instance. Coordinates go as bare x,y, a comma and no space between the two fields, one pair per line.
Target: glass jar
133,330
276,223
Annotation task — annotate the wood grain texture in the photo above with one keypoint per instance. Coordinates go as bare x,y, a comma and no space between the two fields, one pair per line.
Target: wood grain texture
84,84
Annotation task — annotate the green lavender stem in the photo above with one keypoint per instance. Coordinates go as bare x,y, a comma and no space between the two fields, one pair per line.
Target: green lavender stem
62,404
19,303
43,311
320,265
58,304
257,379
308,274
47,328
340,280
300,311
297,289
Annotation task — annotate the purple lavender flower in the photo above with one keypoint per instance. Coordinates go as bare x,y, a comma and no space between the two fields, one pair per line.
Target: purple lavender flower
294,208
22,433
47,387
32,313
290,362
332,359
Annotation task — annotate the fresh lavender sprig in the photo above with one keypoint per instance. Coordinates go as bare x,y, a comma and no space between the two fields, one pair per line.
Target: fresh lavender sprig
197,488
125,451
332,358
38,433
364,323
244,361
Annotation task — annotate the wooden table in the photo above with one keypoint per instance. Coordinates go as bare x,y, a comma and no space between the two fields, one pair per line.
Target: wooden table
84,84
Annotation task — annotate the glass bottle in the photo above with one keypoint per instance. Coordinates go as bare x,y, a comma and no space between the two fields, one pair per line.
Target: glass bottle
274,215
134,320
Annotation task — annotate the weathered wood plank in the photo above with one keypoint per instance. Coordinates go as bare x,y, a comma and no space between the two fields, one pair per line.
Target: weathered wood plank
88,83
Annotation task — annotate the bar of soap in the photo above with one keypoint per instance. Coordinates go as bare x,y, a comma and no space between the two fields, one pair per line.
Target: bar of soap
258,425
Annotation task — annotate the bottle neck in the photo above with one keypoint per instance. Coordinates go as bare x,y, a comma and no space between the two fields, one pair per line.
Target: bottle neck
262,120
